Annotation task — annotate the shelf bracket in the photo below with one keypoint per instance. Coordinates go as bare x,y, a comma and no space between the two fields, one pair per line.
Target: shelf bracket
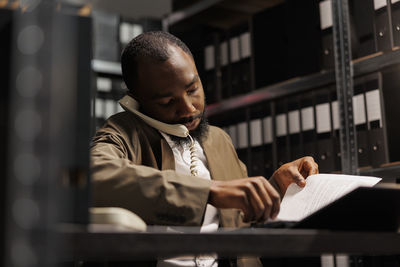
344,85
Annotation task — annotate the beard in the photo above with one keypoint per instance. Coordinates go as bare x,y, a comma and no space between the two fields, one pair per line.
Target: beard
199,134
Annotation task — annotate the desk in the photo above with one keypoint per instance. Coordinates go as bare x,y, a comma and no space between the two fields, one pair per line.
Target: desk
108,244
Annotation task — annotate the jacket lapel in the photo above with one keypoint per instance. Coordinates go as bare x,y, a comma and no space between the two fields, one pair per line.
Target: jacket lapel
214,160
167,156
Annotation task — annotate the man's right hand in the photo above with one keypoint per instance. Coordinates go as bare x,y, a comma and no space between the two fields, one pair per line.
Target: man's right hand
255,196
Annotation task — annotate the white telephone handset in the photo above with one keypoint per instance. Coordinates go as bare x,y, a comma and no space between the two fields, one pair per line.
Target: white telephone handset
130,104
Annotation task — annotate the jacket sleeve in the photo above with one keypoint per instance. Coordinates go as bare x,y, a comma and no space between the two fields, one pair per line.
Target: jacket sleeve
158,197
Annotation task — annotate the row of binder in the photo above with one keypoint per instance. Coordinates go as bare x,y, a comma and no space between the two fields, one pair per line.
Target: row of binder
269,134
271,46
374,26
227,59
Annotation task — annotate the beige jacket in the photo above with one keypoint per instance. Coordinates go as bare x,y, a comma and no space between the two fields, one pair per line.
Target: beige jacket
133,168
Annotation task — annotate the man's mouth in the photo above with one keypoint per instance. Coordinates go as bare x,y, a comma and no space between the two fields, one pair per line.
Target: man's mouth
191,125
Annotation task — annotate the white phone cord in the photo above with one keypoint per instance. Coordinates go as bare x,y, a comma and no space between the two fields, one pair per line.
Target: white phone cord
193,158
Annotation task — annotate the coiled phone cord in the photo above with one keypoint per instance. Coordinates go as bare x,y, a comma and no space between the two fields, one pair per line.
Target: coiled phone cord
193,158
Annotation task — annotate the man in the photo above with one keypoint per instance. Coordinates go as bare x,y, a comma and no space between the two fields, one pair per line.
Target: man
168,180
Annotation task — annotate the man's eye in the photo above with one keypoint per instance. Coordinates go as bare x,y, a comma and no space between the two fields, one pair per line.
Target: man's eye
192,91
166,103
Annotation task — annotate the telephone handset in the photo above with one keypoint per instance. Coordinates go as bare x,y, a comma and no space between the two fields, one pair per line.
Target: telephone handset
130,104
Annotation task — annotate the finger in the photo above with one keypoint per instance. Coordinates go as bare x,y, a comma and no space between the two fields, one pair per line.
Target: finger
314,168
264,195
255,200
311,166
275,199
298,178
246,208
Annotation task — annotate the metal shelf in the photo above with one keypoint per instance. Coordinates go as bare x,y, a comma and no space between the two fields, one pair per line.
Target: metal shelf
188,12
109,245
221,14
106,67
388,173
361,66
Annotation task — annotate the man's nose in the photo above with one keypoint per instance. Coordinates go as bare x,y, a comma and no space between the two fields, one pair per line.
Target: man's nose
186,107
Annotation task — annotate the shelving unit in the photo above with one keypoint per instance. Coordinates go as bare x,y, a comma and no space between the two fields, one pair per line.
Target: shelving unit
205,13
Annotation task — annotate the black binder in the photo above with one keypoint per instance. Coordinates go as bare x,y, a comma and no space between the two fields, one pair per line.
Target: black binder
225,70
325,155
383,29
294,122
395,8
241,121
259,154
362,12
377,139
270,55
360,121
308,130
304,46
246,82
281,132
363,209
211,67
326,23
235,64
391,100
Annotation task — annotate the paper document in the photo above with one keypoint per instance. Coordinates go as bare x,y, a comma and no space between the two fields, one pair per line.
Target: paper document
320,190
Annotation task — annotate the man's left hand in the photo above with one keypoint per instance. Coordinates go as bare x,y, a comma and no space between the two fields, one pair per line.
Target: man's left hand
295,172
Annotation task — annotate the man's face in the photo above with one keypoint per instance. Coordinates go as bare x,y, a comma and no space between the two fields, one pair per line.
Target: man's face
171,91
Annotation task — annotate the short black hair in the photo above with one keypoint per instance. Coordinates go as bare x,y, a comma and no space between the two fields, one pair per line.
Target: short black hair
150,45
